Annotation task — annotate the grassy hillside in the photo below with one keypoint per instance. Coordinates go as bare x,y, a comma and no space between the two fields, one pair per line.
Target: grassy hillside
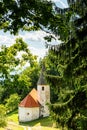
13,116
40,124
12,127
42,121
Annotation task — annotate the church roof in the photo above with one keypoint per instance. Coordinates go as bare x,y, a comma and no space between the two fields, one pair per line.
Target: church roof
42,80
31,100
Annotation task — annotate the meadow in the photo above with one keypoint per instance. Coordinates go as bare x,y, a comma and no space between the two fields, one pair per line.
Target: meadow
39,124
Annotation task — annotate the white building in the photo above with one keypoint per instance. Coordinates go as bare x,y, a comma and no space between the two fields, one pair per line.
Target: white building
34,105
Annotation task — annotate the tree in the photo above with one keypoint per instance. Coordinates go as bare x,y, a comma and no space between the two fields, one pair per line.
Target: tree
70,90
28,80
24,14
12,66
71,65
70,25
12,102
2,116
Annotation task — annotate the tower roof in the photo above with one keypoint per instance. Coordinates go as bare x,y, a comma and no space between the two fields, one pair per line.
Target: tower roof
42,80
31,100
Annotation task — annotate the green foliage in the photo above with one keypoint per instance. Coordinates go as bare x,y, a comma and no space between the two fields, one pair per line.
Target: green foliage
2,116
24,14
12,102
70,65
13,116
28,80
14,77
66,63
69,85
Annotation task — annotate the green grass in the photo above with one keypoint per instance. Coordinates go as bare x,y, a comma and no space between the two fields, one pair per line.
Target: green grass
45,123
47,128
42,121
13,116
13,127
44,128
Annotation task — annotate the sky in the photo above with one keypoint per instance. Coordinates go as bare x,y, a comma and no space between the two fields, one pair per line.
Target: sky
34,39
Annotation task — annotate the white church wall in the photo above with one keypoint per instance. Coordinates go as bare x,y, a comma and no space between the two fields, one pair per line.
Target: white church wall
44,95
28,114
46,111
44,98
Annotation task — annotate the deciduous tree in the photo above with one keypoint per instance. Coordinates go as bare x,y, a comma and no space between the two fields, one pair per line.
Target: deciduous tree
2,116
12,71
70,57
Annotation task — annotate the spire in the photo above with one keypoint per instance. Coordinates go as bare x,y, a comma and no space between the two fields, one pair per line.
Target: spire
42,80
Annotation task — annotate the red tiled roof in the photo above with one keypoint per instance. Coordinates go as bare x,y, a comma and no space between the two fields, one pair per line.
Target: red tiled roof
31,100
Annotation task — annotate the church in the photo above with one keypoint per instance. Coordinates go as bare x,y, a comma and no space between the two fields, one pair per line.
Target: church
34,105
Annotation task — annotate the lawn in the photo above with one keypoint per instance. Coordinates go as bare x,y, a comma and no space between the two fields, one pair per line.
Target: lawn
12,127
44,128
39,124
13,116
42,121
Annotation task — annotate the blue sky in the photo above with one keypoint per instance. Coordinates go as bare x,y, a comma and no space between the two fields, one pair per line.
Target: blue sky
61,3
35,39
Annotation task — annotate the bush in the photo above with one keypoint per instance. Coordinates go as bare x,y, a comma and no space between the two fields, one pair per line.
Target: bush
2,116
12,102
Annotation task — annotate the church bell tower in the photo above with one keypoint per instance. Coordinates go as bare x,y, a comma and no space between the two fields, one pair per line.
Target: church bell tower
44,94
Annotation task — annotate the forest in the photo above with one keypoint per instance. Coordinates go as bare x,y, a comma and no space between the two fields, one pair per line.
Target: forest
65,63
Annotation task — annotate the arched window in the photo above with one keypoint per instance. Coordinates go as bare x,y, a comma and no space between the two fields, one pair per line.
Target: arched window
43,88
27,113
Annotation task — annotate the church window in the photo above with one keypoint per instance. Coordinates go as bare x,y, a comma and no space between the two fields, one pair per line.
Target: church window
27,113
43,88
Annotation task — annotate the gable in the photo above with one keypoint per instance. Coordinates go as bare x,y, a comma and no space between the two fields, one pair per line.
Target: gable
31,100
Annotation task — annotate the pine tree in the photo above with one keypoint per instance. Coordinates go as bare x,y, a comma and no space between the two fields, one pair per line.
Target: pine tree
69,59
70,109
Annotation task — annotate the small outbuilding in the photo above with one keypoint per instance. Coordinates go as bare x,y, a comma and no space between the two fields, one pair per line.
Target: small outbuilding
34,105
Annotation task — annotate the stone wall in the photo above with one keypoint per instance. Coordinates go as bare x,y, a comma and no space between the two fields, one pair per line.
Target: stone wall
28,114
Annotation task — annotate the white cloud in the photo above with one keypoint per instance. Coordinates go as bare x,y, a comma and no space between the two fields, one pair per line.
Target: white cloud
33,36
35,41
19,54
62,2
6,40
38,52
36,36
